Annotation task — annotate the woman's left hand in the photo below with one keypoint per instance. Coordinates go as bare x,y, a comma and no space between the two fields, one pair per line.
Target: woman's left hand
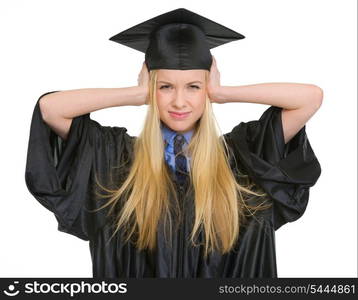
213,85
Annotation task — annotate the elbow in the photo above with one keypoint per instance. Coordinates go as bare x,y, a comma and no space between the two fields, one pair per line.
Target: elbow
45,105
317,96
42,106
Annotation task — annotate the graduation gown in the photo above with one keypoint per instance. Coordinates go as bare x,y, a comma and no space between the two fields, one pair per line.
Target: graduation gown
60,175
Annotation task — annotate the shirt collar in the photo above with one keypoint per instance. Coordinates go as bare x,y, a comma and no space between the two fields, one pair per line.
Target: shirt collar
169,134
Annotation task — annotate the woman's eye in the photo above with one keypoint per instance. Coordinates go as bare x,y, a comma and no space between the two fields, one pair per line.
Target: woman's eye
168,86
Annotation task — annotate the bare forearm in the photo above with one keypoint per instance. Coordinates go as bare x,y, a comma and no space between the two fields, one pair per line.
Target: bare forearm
69,104
285,95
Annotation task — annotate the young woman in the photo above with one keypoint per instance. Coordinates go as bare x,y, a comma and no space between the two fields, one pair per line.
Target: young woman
179,200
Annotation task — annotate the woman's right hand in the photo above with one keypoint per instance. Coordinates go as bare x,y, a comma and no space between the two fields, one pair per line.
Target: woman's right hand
143,83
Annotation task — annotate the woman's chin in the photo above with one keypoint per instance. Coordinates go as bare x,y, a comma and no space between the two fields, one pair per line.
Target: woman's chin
180,127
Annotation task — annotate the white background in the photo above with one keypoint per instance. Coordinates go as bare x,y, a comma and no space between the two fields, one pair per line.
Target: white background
59,45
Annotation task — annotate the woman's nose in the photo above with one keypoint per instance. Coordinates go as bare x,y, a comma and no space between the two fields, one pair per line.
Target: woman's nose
179,99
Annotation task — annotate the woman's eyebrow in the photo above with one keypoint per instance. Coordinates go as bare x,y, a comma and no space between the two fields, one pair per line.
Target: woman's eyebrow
187,83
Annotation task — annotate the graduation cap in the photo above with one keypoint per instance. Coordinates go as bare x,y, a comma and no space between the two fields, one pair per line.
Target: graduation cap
179,39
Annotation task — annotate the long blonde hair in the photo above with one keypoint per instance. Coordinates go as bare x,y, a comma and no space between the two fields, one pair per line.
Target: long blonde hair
218,197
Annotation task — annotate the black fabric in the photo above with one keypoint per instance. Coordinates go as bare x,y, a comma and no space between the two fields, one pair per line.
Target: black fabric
179,39
284,171
60,175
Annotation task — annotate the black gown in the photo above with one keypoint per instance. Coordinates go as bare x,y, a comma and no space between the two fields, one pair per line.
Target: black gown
60,175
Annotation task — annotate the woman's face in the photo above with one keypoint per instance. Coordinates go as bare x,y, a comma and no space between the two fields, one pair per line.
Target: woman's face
181,91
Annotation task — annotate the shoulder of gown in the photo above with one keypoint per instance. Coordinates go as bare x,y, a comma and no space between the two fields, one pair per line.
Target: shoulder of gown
60,174
285,171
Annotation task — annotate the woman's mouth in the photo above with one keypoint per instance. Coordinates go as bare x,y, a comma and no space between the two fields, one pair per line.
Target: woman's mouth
177,115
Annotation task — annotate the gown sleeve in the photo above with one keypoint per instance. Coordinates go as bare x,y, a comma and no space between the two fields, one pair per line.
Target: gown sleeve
284,171
60,173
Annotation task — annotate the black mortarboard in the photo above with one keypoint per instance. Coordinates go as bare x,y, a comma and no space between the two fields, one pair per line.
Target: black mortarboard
178,39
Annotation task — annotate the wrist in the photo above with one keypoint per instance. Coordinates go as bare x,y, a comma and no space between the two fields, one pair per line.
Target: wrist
140,95
219,95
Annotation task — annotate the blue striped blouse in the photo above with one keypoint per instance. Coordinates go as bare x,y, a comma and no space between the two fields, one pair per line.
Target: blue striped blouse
168,135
